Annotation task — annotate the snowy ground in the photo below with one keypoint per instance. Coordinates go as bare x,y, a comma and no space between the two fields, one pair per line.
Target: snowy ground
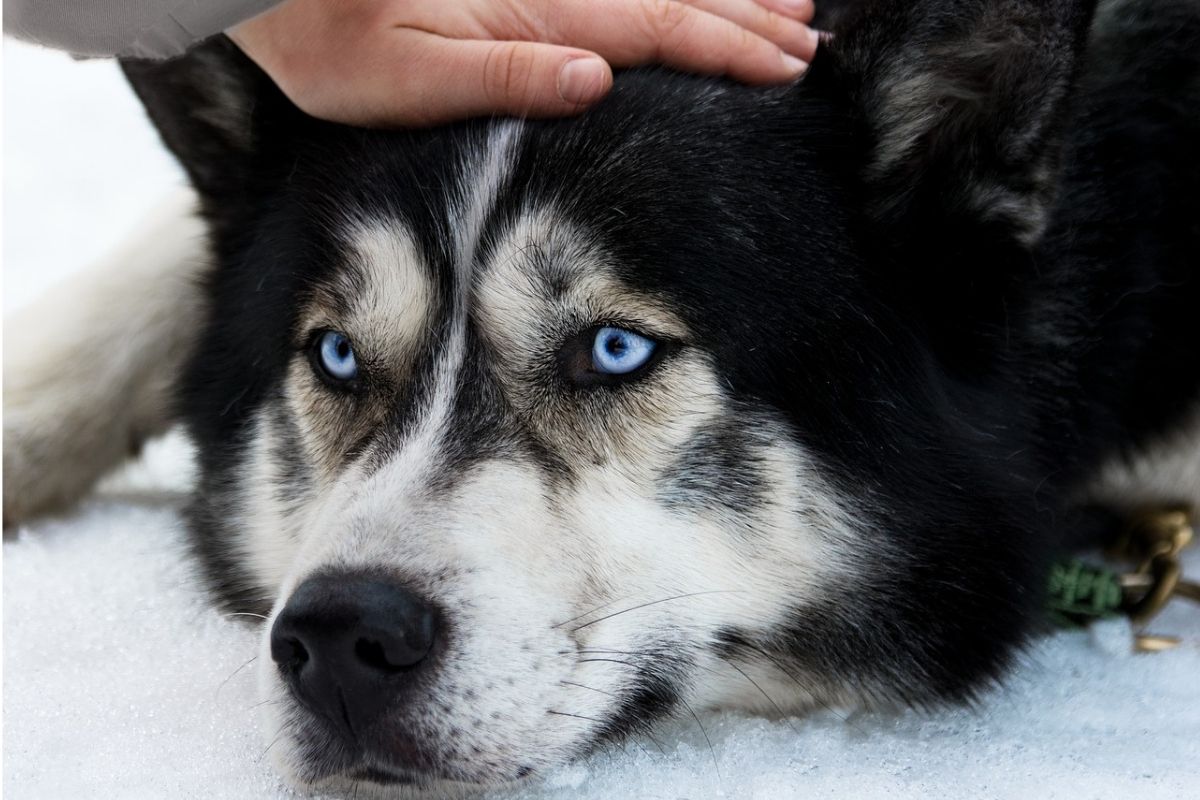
120,682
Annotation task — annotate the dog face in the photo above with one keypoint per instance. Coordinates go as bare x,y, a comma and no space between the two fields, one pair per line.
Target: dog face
535,438
525,435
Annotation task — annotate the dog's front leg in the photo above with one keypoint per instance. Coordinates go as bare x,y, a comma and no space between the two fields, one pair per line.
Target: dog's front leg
90,368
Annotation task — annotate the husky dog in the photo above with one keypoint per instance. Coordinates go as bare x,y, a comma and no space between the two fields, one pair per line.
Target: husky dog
525,435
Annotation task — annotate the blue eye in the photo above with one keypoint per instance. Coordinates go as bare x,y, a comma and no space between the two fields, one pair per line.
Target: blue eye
336,356
616,351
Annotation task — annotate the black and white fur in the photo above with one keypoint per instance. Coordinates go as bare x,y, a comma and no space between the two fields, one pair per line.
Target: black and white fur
928,318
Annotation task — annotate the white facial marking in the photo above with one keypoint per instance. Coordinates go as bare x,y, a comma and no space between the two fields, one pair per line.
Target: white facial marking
271,528
386,289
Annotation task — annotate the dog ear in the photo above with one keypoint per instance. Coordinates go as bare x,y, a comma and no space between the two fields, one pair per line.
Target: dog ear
218,113
964,103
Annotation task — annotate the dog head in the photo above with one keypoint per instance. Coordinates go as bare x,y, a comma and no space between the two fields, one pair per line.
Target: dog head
527,434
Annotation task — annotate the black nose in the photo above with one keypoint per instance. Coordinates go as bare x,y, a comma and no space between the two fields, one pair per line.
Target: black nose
347,643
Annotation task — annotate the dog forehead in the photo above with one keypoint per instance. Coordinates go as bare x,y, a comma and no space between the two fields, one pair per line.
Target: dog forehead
490,242
524,227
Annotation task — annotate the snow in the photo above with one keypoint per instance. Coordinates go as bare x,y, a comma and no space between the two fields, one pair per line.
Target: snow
120,681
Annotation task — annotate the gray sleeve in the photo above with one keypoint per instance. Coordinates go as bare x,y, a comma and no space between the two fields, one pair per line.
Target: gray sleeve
142,28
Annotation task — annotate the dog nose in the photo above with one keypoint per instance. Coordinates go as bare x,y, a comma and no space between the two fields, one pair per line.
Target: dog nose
347,643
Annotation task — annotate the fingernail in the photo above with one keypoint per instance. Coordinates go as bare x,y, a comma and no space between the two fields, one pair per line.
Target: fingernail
796,6
581,80
793,64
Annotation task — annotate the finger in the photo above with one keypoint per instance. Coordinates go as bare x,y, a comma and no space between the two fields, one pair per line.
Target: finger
789,34
428,80
690,39
802,10
690,35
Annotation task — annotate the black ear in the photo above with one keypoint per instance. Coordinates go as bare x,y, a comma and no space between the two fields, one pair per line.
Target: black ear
964,103
221,116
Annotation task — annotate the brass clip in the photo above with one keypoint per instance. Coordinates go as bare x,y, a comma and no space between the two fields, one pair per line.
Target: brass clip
1154,540
1154,531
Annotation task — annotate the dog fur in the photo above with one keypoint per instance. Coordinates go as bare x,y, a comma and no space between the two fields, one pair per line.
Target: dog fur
925,320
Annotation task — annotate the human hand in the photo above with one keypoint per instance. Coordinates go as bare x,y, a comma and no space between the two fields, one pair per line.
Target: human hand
385,63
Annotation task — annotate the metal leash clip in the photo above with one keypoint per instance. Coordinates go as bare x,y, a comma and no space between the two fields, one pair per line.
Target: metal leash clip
1154,540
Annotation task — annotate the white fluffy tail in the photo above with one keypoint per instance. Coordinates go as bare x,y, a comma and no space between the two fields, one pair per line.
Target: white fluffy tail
90,368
